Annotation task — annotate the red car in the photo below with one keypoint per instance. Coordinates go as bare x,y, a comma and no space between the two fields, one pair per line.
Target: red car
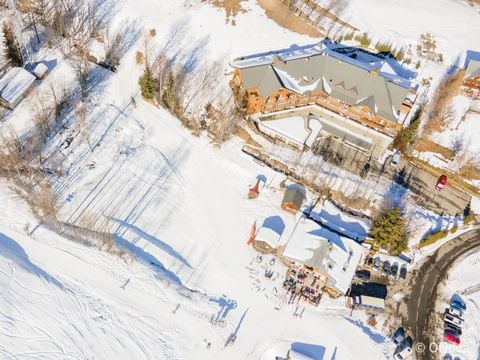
442,180
451,338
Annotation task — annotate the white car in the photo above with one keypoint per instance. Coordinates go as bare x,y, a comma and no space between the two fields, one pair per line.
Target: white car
404,354
455,312
453,320
395,158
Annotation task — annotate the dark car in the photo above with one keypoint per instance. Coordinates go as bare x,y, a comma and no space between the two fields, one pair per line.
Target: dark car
442,180
453,329
398,336
407,343
386,267
403,272
377,262
369,262
363,275
394,270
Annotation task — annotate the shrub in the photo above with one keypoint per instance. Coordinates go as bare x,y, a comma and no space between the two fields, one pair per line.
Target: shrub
383,47
433,238
348,36
399,54
388,231
468,218
453,229
407,134
139,58
148,84
364,39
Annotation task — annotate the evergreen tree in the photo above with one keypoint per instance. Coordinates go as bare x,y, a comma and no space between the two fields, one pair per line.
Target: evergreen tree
148,84
388,231
13,51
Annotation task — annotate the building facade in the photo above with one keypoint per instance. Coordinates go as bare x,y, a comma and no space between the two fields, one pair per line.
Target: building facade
369,90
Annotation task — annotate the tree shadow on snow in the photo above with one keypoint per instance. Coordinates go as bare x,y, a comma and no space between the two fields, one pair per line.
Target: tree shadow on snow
13,251
149,259
378,338
155,241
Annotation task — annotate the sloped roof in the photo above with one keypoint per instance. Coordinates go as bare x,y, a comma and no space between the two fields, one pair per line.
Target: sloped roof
348,74
473,69
334,255
294,195
14,84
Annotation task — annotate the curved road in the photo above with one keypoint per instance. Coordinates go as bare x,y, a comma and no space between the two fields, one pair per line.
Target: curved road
421,305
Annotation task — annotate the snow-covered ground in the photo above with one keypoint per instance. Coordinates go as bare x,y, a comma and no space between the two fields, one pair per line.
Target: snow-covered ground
462,277
178,206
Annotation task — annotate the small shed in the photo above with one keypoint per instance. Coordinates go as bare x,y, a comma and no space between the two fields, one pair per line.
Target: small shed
40,70
293,198
14,85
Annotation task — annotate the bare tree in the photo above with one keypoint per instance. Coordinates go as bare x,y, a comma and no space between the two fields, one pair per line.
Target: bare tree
84,76
118,41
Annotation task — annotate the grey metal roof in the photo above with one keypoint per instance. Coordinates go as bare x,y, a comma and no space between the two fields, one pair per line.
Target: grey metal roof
294,195
339,75
261,77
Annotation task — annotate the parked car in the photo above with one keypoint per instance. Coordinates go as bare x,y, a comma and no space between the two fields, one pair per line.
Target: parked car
454,312
451,338
398,336
453,328
377,262
458,304
404,349
386,267
363,275
369,262
394,270
395,158
442,180
404,354
453,320
447,357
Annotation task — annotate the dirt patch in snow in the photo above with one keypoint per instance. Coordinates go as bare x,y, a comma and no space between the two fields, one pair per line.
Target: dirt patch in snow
244,135
470,170
283,16
428,145
439,109
231,7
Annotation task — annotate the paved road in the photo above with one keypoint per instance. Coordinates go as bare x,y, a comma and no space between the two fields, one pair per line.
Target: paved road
450,200
421,316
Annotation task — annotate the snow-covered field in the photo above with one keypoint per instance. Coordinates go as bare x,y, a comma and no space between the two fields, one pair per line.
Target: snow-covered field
179,206
462,277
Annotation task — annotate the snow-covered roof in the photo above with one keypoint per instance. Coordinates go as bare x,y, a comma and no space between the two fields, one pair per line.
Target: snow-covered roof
372,301
269,236
332,254
15,83
351,226
40,70
295,128
350,74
